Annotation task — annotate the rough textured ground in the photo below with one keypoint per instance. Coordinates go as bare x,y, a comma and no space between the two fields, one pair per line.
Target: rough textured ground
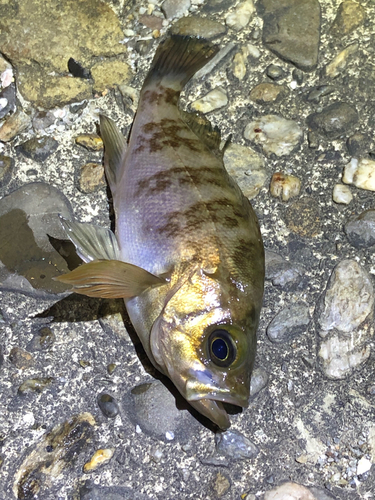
73,380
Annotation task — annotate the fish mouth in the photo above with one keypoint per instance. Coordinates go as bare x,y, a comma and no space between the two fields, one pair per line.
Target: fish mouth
213,410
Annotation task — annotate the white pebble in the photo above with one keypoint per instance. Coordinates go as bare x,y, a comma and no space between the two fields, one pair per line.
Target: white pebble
169,435
253,50
360,173
342,194
241,15
363,466
6,77
3,102
215,99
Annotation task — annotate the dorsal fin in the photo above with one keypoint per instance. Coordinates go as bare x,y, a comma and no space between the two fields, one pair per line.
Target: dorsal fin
115,147
203,129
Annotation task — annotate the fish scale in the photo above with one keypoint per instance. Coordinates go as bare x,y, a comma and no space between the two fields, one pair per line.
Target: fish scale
188,257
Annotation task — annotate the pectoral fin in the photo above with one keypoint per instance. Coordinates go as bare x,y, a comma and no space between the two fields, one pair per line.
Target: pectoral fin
110,279
91,242
115,147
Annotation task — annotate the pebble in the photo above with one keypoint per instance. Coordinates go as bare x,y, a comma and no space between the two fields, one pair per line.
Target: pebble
289,40
21,359
7,100
35,385
6,169
215,99
153,408
246,166
215,6
361,230
175,8
360,173
358,145
317,93
99,458
91,491
265,93
290,322
348,299
350,15
285,186
363,466
92,142
221,485
38,148
27,216
239,66
281,272
275,134
334,120
340,62
91,178
42,340
304,218
198,26
111,368
14,125
108,405
53,452
235,445
342,194
289,491
152,22
42,120
275,72
259,380
241,15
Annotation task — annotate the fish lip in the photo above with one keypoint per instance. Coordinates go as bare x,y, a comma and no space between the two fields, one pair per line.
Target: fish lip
213,410
236,400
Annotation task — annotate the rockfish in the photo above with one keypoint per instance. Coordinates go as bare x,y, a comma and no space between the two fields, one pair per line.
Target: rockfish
187,256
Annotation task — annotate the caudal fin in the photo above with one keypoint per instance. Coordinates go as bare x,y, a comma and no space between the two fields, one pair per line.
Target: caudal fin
179,57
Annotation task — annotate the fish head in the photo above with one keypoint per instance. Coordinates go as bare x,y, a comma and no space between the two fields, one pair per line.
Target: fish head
206,353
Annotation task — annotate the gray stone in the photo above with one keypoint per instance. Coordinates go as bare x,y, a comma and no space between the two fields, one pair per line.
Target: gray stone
108,405
321,91
91,491
259,380
335,120
281,272
361,229
38,148
235,445
275,72
175,8
198,26
358,145
297,42
289,322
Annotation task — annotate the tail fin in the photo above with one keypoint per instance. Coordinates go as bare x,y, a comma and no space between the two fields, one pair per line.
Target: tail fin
179,57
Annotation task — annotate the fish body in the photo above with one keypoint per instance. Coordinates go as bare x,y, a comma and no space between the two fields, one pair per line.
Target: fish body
188,255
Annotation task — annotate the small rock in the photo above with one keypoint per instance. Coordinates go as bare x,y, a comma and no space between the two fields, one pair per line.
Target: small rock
91,178
108,405
297,42
215,99
241,15
234,445
358,145
342,194
221,485
360,173
198,26
289,491
175,8
349,16
285,186
42,340
267,92
7,100
152,22
335,120
275,72
110,73
99,458
363,466
259,380
246,167
239,66
340,62
303,217
14,125
216,461
275,134
38,149
289,322
361,230
156,455
282,272
348,299
90,491
35,385
21,359
92,142
111,368
298,76
320,91
43,120
6,168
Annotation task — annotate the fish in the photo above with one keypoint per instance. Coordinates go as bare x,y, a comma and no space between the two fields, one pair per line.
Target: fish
187,256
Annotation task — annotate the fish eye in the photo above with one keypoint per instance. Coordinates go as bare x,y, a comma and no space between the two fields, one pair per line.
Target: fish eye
222,348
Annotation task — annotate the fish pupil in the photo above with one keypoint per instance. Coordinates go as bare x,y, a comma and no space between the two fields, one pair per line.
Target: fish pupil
220,349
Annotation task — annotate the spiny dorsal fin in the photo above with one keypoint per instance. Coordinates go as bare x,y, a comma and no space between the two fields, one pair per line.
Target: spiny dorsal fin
110,279
203,129
179,57
115,147
91,242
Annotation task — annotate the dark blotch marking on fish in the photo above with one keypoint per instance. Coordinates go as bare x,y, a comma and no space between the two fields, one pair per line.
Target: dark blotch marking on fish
161,95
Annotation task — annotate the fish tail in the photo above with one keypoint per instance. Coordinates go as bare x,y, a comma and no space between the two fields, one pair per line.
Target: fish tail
178,58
